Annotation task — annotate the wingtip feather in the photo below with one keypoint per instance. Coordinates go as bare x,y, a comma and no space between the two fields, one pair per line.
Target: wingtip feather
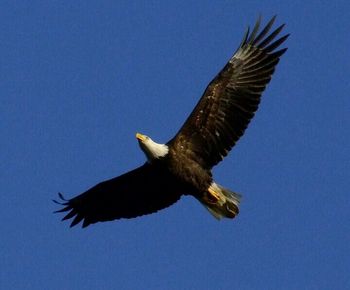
273,34
255,30
276,43
67,208
265,30
76,220
71,214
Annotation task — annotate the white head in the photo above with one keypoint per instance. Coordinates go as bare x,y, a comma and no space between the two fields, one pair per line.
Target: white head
151,149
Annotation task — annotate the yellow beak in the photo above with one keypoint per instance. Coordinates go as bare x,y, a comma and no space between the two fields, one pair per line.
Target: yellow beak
140,137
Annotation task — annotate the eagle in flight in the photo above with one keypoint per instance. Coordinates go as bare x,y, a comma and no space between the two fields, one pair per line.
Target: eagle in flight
183,165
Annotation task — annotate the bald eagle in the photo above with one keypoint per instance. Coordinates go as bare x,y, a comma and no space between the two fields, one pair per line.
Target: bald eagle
183,165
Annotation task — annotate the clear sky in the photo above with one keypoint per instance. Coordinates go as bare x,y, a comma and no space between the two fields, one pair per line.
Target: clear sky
80,78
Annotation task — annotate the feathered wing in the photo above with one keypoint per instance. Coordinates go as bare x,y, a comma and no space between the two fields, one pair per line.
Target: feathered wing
141,191
231,99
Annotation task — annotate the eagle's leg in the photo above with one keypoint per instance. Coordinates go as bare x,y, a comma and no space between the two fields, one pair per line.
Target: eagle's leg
214,196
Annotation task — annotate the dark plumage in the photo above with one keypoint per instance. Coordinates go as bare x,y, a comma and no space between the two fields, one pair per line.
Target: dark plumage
183,165
103,203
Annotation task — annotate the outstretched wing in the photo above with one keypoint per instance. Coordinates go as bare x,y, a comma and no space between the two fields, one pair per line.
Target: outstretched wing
231,99
141,191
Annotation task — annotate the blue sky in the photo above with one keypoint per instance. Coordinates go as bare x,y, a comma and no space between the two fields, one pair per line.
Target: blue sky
79,78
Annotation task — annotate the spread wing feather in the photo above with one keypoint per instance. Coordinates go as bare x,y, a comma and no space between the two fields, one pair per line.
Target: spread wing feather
141,191
231,99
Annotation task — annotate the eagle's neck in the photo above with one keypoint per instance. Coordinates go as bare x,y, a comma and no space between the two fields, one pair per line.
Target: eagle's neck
153,150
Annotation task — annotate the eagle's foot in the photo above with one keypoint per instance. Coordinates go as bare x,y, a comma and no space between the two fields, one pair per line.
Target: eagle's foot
213,196
232,210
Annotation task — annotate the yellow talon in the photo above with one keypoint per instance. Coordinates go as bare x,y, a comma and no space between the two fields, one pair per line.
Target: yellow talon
214,195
